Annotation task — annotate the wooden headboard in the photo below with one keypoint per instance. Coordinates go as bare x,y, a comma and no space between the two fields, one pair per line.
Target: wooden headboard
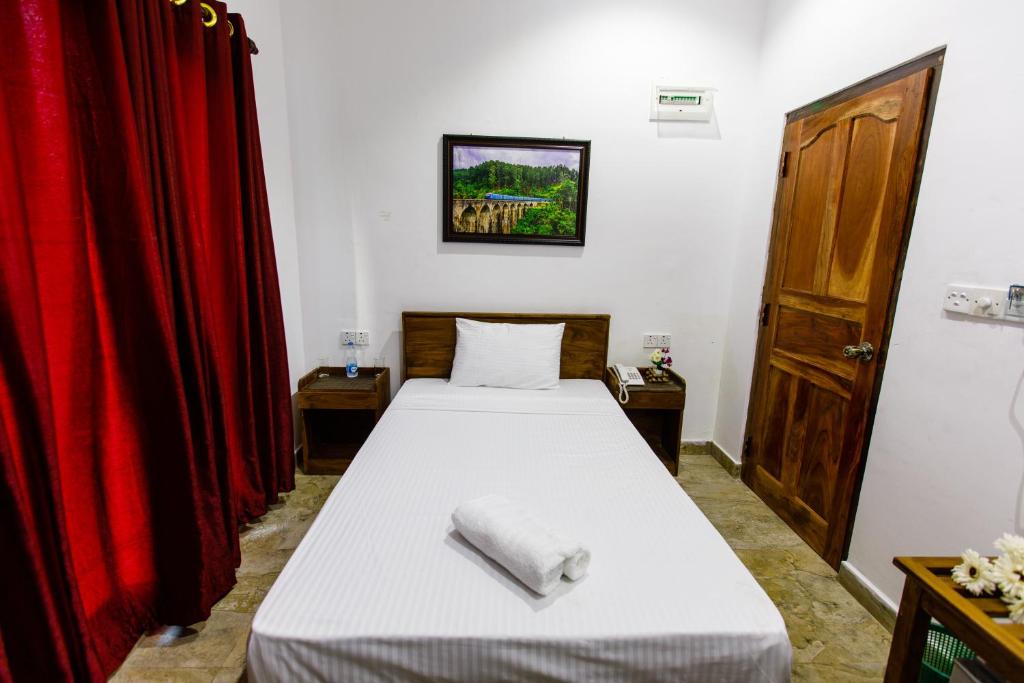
428,341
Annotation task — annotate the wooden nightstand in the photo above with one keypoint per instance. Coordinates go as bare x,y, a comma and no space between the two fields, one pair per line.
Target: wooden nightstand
337,414
656,410
928,592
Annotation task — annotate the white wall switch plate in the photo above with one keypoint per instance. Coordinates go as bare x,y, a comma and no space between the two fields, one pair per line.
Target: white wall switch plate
348,336
980,302
657,340
362,338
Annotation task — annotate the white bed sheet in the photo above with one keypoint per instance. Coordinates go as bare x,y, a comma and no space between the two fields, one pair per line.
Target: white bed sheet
383,588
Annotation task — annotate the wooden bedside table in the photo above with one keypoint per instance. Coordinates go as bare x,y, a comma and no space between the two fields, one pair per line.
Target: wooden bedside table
656,410
929,591
337,414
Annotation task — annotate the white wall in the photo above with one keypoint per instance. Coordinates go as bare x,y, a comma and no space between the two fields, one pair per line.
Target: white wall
263,23
946,461
371,89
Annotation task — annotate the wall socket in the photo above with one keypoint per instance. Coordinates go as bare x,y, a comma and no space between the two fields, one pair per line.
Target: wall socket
980,302
657,340
357,337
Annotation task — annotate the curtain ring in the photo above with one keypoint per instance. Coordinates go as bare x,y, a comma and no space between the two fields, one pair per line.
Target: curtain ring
231,28
178,2
209,15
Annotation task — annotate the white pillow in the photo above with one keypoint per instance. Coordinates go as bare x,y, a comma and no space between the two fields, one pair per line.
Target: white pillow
507,355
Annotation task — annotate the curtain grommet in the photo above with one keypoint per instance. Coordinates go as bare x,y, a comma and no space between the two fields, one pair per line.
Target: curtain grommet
209,15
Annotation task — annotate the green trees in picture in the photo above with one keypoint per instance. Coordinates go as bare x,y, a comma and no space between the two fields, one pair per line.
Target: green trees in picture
555,183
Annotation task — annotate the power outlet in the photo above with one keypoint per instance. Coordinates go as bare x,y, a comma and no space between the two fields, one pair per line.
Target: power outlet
980,302
357,337
655,340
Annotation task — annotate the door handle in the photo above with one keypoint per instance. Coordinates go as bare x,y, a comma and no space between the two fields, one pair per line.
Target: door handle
863,351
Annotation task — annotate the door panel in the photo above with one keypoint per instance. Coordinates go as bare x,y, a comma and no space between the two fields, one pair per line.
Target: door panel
839,228
780,383
857,232
826,414
816,339
813,168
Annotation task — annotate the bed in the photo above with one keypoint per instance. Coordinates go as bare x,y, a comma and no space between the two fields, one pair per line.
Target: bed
383,588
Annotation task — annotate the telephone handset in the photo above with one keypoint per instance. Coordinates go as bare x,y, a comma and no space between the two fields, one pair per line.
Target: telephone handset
628,377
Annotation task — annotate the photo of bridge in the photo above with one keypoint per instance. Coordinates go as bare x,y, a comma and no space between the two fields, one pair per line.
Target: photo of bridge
515,190
495,213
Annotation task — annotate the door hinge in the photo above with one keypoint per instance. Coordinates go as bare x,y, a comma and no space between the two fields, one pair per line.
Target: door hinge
766,309
747,444
784,165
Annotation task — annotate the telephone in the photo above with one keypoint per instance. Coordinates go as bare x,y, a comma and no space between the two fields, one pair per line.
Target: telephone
628,377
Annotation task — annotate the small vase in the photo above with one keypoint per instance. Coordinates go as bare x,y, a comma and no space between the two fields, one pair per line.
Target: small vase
657,372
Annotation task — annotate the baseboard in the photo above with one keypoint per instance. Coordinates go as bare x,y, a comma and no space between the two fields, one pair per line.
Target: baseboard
868,595
695,448
728,463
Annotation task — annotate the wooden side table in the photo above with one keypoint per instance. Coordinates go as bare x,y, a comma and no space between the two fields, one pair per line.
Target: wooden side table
656,410
929,592
338,413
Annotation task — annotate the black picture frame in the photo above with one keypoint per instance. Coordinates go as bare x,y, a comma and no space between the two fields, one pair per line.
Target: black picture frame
495,219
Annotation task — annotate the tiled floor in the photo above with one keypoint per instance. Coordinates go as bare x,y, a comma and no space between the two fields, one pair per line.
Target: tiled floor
834,638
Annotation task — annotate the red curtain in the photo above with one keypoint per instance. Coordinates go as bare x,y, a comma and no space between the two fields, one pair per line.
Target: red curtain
144,398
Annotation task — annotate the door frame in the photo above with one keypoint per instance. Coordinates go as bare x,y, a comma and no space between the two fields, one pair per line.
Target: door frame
934,60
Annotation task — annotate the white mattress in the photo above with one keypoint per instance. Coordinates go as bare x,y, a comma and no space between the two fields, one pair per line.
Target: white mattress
383,588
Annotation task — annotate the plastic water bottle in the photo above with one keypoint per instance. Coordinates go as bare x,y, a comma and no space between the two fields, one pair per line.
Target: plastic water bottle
351,362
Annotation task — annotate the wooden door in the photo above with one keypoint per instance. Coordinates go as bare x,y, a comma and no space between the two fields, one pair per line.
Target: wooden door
843,203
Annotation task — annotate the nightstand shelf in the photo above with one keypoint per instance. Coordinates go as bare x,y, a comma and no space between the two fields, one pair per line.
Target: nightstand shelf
337,414
656,410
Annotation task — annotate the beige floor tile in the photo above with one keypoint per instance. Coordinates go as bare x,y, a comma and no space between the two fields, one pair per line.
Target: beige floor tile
247,594
744,524
164,675
211,644
230,676
180,675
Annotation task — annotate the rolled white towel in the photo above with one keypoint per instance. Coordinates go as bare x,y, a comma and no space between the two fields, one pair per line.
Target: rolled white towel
510,536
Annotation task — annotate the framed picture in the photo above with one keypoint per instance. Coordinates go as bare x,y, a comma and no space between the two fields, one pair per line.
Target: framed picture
515,190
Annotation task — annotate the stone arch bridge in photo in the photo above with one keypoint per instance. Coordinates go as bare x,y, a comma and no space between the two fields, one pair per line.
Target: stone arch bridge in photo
490,215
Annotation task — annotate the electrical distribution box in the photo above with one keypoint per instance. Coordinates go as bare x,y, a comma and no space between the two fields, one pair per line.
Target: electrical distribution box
681,103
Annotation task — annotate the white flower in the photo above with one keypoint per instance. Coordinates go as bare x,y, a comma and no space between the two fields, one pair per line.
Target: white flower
656,357
974,573
1016,606
1008,574
1011,546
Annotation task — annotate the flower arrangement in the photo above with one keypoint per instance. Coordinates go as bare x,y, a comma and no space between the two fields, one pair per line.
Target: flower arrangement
660,359
981,576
